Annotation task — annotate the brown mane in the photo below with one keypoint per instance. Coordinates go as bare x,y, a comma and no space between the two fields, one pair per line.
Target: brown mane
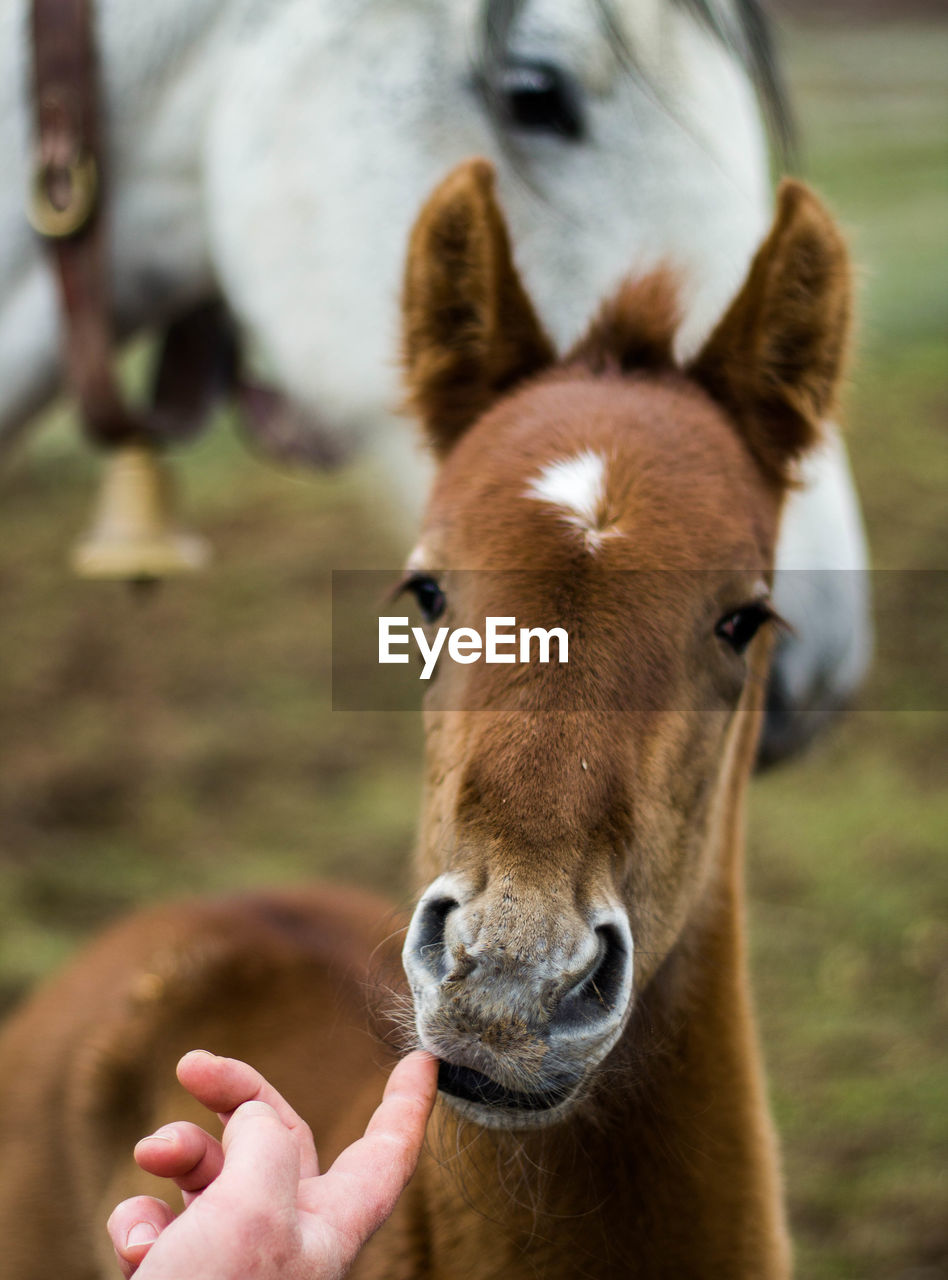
635,329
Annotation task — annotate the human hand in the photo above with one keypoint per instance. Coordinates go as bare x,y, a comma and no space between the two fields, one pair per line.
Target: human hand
256,1205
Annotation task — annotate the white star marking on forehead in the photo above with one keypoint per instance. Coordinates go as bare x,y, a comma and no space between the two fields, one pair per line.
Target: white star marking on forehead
418,559
578,487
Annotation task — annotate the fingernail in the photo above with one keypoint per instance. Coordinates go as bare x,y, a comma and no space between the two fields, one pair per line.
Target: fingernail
155,1137
254,1107
164,1134
141,1233
191,1053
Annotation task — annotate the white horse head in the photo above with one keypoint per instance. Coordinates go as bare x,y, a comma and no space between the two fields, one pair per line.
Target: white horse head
278,152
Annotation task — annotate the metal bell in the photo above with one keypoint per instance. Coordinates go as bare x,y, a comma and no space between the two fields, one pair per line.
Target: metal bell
134,536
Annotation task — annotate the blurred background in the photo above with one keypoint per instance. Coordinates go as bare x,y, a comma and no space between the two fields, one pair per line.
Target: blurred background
182,740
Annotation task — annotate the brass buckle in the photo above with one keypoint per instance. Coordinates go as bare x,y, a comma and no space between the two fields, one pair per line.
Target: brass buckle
47,218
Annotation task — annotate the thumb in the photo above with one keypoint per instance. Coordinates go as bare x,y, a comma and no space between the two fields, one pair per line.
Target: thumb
261,1158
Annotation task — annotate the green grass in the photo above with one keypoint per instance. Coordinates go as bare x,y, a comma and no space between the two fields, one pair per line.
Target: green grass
183,741
848,866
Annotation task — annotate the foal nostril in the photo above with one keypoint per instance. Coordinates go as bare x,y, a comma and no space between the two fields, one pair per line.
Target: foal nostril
598,993
608,980
429,936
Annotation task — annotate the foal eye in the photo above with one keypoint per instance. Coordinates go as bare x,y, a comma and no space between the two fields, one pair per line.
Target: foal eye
740,627
541,98
428,594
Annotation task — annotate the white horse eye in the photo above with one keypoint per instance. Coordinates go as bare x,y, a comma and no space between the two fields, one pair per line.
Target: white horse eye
541,98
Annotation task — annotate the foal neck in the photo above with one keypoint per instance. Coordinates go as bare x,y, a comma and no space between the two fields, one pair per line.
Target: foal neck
668,1169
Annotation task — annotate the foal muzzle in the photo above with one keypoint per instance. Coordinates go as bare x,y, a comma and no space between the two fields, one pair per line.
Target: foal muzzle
520,1006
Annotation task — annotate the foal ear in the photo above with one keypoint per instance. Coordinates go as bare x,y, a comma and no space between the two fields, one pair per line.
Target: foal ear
775,360
469,329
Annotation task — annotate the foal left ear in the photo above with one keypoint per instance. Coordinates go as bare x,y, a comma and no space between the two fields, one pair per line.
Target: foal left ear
775,360
469,329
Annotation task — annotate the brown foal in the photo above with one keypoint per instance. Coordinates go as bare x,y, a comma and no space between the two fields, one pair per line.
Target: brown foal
576,959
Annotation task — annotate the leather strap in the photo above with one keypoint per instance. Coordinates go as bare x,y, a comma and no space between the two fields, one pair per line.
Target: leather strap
67,208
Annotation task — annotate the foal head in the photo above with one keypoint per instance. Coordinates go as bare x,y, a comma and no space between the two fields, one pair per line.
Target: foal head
578,815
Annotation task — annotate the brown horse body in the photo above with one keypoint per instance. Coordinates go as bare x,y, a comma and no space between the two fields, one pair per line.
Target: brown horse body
576,958
282,983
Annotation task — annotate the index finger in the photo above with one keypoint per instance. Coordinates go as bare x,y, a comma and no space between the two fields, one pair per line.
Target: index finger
359,1191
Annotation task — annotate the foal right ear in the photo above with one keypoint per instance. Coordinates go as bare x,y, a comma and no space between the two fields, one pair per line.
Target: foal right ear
775,360
469,329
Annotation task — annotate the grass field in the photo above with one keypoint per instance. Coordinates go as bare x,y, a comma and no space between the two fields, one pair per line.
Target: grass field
184,741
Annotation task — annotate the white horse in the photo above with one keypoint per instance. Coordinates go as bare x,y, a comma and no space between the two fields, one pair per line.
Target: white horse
275,152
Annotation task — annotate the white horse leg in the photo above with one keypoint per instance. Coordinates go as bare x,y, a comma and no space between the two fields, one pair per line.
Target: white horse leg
29,347
159,67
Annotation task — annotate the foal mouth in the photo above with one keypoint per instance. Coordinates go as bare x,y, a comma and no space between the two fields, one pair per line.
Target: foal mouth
469,1086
